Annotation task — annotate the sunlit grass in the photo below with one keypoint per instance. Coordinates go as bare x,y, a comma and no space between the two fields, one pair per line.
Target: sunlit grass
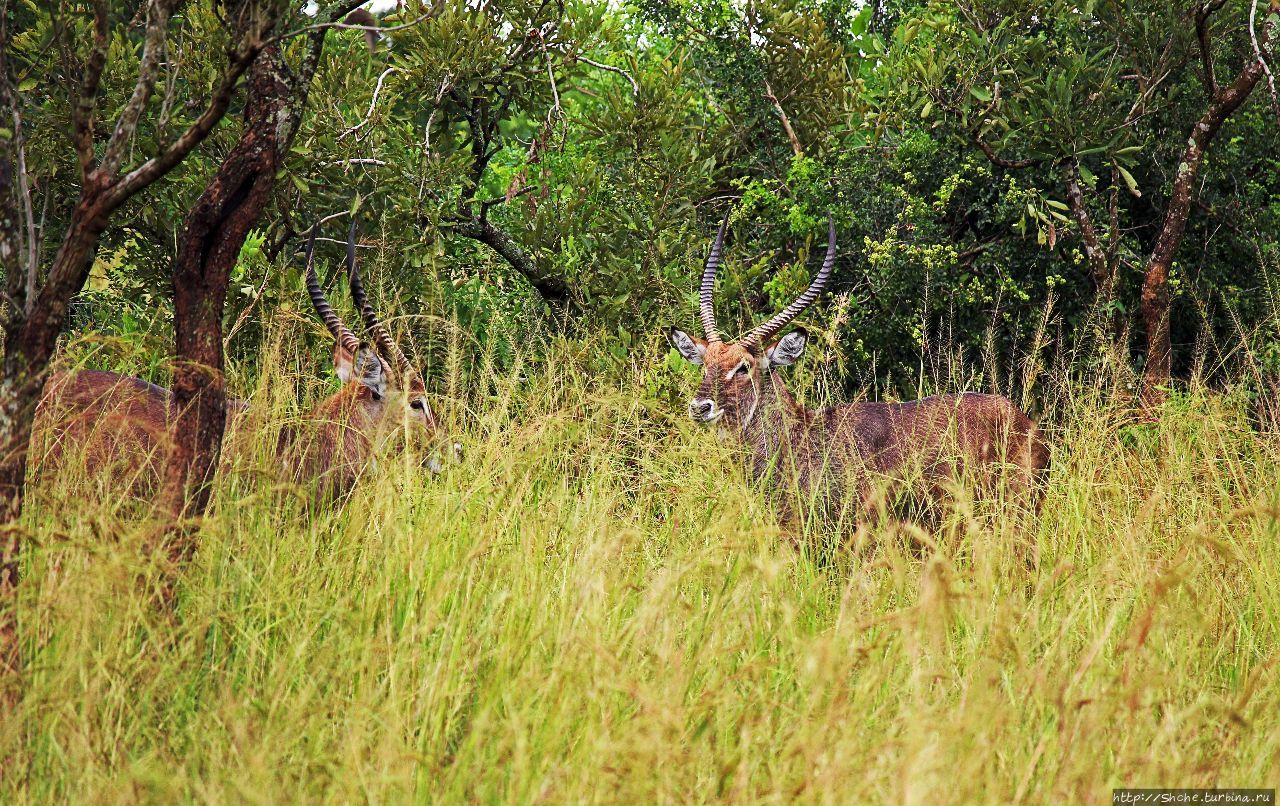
598,606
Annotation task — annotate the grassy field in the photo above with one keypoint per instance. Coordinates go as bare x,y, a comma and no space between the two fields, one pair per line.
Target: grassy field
597,606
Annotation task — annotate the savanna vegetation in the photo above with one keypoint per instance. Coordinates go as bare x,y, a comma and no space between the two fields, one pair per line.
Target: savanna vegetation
1076,205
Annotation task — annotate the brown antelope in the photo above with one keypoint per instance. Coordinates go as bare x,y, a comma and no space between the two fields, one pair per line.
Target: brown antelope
837,456
124,422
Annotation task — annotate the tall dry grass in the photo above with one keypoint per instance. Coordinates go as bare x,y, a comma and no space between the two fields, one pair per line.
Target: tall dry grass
598,606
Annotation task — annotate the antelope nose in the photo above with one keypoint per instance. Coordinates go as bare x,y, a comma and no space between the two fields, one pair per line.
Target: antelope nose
700,409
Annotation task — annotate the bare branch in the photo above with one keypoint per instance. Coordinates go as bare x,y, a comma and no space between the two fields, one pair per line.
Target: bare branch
488,204
28,213
372,104
344,243
635,85
355,161
999,161
248,309
170,89
555,112
551,287
426,134
1113,215
1092,244
1206,52
344,26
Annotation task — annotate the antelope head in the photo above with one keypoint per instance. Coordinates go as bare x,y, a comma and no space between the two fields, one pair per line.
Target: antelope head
377,389
733,373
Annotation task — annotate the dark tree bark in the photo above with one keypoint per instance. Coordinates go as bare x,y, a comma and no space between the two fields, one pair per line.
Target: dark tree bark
1156,299
214,232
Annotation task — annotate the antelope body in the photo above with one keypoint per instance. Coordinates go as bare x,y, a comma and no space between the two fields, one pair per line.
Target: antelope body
838,457
123,424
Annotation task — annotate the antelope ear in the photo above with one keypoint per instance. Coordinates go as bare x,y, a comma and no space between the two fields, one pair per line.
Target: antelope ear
364,367
371,372
691,347
787,350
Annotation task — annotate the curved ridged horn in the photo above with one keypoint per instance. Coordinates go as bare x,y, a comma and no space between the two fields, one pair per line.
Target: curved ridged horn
706,303
340,331
763,333
387,345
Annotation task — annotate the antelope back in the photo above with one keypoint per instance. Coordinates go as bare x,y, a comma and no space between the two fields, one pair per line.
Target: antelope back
116,425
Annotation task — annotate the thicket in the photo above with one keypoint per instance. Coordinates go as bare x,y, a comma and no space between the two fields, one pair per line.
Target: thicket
552,167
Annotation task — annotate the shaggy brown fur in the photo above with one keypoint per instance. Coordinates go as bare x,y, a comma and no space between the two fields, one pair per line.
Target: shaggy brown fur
840,456
120,427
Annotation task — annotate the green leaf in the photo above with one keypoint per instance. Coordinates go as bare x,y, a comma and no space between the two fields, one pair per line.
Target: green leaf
981,93
299,184
1129,181
928,107
28,85
1087,175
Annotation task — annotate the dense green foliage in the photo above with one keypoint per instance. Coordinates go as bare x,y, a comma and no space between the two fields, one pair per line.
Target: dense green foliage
611,180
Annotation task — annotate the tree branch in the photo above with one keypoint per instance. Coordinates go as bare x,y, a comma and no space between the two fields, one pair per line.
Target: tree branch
551,288
1206,52
162,163
1092,244
1257,52
999,161
344,26
786,121
377,90
635,85
152,49
28,212
86,100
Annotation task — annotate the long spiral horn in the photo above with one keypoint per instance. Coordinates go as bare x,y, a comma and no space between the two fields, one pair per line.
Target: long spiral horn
331,320
387,345
768,330
706,303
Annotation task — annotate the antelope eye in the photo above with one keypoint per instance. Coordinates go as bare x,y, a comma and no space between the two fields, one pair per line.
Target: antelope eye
376,396
416,405
741,370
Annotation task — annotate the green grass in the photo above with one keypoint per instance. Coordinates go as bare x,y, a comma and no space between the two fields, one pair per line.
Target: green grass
598,606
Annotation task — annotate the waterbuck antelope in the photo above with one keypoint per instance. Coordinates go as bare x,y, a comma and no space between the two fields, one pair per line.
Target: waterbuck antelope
839,457
122,424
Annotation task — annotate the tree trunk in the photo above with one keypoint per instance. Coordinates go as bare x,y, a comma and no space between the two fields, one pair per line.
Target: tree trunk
11,264
30,342
1156,299
214,233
